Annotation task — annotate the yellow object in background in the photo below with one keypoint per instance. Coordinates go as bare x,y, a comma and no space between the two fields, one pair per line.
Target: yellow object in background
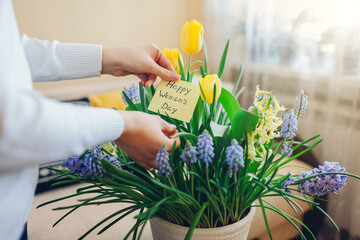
108,100
207,84
173,55
192,34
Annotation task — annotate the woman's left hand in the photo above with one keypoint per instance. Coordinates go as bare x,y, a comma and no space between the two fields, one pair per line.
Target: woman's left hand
145,61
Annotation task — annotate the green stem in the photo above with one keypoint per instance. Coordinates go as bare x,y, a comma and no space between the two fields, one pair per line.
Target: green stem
192,180
188,69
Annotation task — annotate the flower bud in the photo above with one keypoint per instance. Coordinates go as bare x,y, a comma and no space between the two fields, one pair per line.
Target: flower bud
173,55
192,37
207,84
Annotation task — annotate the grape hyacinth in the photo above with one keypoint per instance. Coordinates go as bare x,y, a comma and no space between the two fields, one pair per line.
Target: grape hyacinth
133,93
162,160
286,149
234,157
289,126
301,105
321,185
189,154
289,181
74,164
89,164
205,147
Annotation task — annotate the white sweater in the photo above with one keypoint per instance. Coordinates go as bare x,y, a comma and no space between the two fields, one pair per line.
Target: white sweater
35,129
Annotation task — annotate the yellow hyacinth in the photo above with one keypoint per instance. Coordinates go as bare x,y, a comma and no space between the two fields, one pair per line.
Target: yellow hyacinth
207,84
173,55
192,34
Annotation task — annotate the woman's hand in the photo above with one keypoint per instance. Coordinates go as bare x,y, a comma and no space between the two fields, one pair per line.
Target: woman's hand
144,135
145,61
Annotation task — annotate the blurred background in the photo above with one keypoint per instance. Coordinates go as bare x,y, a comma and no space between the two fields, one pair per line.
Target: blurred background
285,46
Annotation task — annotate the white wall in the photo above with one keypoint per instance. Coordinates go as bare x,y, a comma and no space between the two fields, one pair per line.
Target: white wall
107,22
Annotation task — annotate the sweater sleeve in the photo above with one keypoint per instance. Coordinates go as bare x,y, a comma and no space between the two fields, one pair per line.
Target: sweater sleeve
52,60
35,129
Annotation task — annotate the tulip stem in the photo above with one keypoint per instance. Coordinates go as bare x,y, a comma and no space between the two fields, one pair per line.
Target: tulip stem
188,69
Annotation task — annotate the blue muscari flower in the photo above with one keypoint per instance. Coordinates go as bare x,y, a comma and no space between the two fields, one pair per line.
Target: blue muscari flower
321,185
162,160
89,164
205,147
301,105
234,157
289,181
74,164
286,149
189,154
289,126
133,93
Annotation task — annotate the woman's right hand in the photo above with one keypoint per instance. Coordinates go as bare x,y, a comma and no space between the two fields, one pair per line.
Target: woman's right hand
144,135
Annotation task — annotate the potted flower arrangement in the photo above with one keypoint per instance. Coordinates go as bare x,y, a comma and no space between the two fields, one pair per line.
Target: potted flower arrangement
227,163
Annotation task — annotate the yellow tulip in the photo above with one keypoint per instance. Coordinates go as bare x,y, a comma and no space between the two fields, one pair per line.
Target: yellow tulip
173,55
192,37
207,84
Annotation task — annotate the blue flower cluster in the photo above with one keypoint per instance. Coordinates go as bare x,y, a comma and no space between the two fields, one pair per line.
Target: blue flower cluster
189,154
321,185
162,160
286,149
205,146
234,157
133,93
89,164
289,126
301,105
289,181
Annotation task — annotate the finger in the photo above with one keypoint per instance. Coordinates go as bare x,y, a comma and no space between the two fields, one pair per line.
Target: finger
164,73
143,76
177,140
167,127
150,81
169,144
164,62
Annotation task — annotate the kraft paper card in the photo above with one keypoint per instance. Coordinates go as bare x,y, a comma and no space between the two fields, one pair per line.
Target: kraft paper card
176,99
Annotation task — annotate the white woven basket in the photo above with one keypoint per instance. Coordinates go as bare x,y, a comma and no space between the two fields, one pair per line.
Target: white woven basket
163,230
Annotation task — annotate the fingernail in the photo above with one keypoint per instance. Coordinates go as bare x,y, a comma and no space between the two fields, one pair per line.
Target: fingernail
148,84
175,76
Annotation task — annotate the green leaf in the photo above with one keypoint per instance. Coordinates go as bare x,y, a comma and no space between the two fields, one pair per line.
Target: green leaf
265,218
202,72
145,216
244,121
195,222
129,102
149,93
185,135
134,107
142,98
205,58
181,69
198,112
229,103
223,59
212,106
124,174
236,85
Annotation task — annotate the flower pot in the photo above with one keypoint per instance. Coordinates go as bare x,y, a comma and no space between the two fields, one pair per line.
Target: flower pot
164,230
